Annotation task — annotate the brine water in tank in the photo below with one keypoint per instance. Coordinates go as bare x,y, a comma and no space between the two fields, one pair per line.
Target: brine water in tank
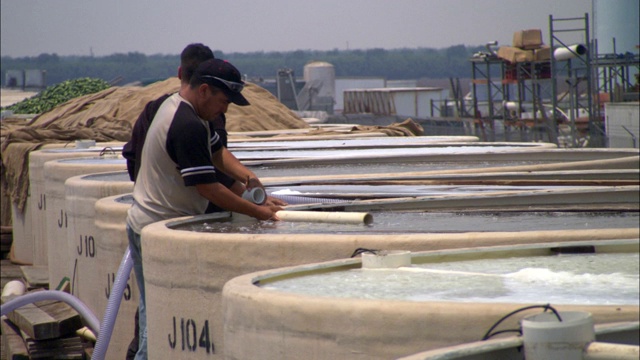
578,279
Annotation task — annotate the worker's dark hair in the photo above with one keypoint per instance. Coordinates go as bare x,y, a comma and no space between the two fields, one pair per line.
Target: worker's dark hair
191,57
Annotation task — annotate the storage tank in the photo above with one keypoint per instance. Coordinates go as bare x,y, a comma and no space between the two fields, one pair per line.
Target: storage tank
110,222
83,241
186,269
29,242
320,86
346,310
56,174
617,20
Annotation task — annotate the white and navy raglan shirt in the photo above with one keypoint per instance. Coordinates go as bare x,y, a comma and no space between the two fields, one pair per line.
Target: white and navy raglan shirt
177,156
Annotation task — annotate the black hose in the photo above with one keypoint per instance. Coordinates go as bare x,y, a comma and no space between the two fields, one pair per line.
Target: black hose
546,307
359,251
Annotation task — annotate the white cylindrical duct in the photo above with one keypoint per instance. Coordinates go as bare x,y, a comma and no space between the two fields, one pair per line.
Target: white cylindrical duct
83,241
255,195
548,338
35,208
56,173
511,105
110,222
569,52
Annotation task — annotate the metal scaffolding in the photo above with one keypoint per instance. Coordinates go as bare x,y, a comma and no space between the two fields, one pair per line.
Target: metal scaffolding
576,105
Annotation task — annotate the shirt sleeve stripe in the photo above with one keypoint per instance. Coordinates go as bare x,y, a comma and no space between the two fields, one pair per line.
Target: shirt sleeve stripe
197,170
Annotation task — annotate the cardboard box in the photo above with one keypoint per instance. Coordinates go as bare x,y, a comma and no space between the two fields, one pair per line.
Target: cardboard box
514,55
542,54
527,39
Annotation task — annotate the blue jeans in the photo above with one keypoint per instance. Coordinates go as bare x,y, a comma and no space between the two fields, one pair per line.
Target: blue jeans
136,255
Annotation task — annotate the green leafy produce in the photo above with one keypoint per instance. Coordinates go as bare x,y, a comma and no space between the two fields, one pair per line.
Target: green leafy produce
57,94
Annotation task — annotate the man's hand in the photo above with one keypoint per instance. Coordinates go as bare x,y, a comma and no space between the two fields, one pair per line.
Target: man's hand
253,182
273,201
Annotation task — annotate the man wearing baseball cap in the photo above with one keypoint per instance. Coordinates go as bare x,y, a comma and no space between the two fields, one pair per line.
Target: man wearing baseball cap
180,159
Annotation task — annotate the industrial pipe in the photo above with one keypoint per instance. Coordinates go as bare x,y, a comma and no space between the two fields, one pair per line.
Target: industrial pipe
569,52
256,195
14,288
326,217
608,351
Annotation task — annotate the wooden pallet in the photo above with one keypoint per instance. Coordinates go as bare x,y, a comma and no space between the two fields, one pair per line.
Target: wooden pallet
43,330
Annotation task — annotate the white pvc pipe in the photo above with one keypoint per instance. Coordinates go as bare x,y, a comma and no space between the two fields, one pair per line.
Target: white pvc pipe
569,52
608,351
86,333
14,288
255,195
326,217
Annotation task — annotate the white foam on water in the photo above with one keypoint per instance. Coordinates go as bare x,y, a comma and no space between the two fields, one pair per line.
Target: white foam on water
588,279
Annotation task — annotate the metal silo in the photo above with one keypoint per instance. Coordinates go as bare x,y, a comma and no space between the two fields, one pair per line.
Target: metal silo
619,20
320,85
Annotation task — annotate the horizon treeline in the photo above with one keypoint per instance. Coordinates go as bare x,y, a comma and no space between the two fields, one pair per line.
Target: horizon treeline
121,68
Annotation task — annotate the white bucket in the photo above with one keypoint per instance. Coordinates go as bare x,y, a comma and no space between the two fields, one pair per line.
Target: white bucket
547,338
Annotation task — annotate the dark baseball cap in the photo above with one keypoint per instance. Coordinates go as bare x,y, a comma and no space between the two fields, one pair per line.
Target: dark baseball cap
224,76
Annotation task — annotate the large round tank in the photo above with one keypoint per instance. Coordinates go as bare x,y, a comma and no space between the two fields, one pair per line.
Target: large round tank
83,240
291,313
617,20
324,73
28,225
320,78
56,173
110,222
185,270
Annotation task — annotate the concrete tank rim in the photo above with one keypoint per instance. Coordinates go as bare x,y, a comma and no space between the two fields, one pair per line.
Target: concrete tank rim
248,282
114,198
94,177
165,227
161,227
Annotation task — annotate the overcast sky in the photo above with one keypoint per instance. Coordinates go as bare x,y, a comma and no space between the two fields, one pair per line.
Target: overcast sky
82,27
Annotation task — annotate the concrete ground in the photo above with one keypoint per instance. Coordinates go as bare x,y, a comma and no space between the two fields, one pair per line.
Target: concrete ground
12,96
